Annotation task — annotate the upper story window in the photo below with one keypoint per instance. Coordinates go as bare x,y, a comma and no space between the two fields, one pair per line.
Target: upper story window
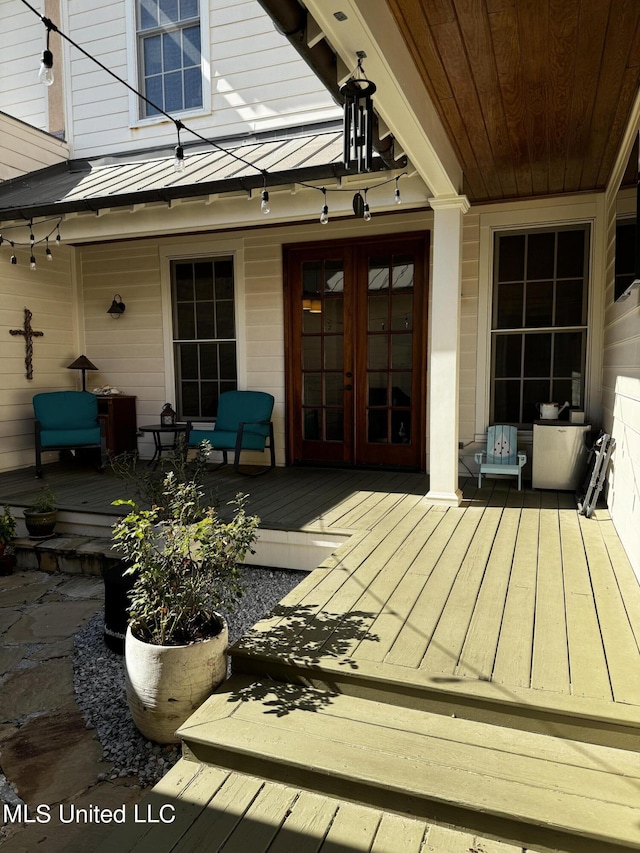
169,51
625,267
539,325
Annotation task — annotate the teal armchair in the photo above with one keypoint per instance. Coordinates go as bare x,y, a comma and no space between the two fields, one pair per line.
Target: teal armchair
66,420
502,455
243,423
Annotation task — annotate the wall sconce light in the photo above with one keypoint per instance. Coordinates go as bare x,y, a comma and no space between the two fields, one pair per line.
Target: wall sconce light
117,307
82,363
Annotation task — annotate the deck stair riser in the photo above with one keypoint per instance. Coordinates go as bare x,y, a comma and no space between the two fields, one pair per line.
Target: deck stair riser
567,717
536,790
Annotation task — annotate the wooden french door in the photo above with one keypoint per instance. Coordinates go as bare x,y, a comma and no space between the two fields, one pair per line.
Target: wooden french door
356,352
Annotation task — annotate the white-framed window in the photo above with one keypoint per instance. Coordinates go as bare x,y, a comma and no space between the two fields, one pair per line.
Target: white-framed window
204,334
169,55
538,321
625,264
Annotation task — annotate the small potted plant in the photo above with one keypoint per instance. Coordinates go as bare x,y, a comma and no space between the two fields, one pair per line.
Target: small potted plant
7,533
184,560
40,518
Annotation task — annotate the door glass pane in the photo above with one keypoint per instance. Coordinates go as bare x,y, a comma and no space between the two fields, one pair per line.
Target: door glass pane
334,424
311,323
401,351
400,428
312,389
402,272
311,349
537,355
379,273
377,426
377,352
377,395
401,388
378,313
311,278
402,311
333,352
311,421
539,309
332,315
333,389
333,277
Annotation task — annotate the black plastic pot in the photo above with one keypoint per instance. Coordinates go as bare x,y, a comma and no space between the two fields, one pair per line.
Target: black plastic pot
40,525
117,587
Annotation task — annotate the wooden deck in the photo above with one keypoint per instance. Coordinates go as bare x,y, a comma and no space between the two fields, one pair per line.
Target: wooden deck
511,614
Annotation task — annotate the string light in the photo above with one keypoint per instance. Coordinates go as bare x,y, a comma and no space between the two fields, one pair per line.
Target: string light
324,213
45,74
32,241
358,80
14,260
32,263
366,215
47,251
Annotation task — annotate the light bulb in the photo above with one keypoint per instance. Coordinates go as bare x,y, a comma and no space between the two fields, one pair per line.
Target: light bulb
45,74
178,162
398,200
324,215
32,262
14,260
264,204
367,213
48,254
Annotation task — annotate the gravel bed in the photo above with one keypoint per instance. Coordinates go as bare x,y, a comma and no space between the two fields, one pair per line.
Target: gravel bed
98,675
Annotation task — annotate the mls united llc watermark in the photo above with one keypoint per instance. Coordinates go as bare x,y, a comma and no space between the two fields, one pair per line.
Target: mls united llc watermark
70,813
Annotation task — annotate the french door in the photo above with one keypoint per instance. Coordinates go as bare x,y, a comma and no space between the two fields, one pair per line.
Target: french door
356,352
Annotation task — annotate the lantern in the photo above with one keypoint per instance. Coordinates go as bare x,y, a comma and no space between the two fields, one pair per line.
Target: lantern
167,415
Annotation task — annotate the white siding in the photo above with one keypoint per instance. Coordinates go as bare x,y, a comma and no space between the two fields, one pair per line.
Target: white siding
621,396
25,149
22,40
258,82
48,293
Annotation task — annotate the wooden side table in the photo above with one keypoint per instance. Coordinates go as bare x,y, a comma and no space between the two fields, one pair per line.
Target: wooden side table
119,411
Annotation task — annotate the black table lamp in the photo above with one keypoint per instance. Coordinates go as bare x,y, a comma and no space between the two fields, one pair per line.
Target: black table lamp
82,363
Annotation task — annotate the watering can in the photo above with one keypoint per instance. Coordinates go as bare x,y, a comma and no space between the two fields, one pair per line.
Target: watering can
551,411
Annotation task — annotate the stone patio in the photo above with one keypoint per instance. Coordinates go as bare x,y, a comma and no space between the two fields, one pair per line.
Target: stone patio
48,756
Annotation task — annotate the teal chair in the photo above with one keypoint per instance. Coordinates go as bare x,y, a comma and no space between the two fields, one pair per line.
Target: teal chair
243,422
66,420
501,455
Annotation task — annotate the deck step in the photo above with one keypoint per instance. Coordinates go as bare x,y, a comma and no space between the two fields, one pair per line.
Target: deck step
574,717
527,788
68,553
219,809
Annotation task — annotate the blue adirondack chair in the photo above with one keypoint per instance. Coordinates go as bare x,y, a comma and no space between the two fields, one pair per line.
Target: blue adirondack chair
243,422
66,420
501,455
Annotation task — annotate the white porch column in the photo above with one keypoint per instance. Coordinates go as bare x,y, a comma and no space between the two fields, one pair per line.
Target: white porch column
444,347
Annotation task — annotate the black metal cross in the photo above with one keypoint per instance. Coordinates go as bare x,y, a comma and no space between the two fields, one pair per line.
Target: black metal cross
29,334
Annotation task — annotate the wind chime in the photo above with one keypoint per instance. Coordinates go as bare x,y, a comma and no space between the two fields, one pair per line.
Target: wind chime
358,119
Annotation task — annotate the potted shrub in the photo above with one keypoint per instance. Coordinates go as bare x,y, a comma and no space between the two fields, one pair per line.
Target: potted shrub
40,518
7,533
185,563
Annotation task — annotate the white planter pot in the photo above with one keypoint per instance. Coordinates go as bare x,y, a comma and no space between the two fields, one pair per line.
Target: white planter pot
165,684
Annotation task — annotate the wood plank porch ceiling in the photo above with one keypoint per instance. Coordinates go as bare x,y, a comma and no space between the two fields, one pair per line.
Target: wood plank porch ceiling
535,94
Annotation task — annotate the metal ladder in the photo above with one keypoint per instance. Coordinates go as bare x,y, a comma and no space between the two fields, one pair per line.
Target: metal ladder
602,449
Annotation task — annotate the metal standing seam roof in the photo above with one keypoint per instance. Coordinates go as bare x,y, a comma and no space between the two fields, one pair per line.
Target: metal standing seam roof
78,185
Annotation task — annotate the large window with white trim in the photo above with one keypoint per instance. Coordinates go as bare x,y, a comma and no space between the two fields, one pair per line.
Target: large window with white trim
204,330
169,55
539,322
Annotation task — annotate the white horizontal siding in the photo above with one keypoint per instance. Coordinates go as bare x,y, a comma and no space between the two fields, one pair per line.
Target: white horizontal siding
22,40
48,294
258,82
25,149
